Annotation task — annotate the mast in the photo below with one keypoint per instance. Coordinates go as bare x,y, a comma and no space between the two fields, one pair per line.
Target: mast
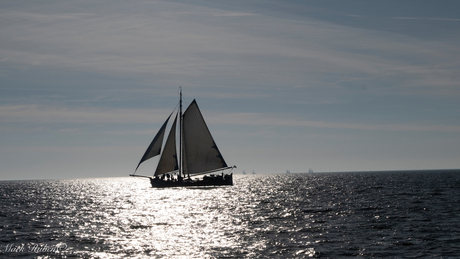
180,132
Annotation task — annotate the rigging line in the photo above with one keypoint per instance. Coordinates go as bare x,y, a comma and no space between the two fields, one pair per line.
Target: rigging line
177,105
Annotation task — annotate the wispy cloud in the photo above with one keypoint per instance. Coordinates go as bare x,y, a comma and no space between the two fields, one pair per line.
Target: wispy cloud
62,114
233,14
279,120
427,19
183,41
53,114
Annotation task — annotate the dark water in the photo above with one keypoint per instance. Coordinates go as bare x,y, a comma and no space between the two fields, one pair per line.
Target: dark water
330,215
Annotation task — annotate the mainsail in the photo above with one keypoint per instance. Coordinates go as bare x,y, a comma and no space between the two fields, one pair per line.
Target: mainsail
168,159
154,148
200,153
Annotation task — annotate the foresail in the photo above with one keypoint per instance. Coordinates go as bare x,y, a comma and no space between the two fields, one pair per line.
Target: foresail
200,151
168,159
155,147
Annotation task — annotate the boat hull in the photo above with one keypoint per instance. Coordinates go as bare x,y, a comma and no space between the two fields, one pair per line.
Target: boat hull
206,181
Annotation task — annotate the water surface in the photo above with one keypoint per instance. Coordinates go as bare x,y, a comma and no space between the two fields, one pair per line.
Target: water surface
328,215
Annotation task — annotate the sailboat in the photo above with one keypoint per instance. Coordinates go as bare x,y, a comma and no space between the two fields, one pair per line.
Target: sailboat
198,153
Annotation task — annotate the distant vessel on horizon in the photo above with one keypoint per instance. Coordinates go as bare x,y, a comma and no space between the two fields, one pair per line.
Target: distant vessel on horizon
253,172
288,172
310,170
244,172
198,153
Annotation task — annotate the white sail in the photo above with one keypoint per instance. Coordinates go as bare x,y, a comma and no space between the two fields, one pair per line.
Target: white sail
200,153
168,159
154,148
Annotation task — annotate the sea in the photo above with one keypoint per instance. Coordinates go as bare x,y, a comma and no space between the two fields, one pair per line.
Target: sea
397,214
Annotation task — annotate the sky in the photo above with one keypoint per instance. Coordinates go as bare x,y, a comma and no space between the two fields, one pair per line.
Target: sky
283,85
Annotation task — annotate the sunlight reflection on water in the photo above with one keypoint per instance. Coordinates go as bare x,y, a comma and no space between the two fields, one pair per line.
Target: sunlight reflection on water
127,216
124,216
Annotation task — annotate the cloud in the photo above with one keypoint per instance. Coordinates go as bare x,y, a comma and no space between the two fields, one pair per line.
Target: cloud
233,14
78,115
427,19
278,120
182,41
62,114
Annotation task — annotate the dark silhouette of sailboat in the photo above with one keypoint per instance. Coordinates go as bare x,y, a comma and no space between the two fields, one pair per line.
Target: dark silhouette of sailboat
198,153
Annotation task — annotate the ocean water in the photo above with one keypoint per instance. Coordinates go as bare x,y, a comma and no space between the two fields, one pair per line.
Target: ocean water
317,215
